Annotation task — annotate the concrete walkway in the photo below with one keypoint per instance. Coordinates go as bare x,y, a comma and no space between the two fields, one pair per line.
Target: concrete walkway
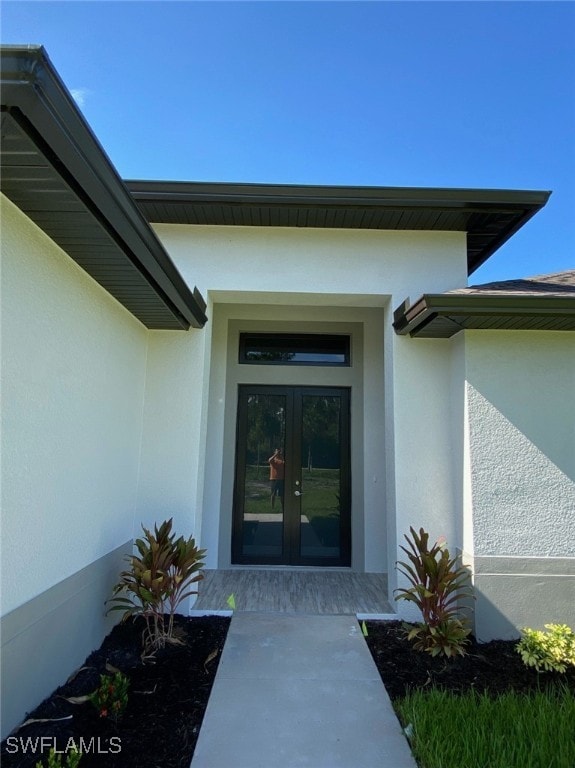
294,690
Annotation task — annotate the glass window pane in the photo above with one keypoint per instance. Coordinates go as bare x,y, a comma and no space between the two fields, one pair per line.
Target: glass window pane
321,477
294,349
263,518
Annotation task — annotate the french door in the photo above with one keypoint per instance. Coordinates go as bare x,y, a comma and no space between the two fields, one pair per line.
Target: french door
296,509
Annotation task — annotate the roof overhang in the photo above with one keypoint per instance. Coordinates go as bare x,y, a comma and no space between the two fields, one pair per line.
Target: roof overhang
56,172
441,315
489,217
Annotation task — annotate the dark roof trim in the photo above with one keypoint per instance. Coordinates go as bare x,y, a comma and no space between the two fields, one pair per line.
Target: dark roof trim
441,316
490,217
41,115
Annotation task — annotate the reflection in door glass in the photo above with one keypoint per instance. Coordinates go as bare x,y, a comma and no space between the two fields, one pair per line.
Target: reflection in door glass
321,476
262,529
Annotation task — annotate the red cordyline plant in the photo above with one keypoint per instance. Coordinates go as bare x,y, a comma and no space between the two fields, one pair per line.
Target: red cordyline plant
438,582
160,577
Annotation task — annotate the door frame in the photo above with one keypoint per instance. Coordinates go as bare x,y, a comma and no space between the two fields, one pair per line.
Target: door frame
291,550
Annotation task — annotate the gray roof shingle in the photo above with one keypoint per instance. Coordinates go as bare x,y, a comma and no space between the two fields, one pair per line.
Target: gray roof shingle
556,284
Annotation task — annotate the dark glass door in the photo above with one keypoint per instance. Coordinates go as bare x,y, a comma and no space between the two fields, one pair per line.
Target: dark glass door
292,484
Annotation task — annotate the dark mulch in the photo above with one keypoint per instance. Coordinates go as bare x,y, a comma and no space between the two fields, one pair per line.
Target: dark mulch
168,698
493,667
166,705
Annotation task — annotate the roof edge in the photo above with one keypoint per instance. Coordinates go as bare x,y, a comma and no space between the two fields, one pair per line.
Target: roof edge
412,319
33,91
214,202
336,194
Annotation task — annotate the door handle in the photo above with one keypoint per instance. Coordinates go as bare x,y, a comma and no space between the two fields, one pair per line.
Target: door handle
297,493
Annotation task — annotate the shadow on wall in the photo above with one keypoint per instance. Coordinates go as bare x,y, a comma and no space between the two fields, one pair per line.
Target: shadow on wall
522,458
522,592
510,594
45,639
529,379
489,622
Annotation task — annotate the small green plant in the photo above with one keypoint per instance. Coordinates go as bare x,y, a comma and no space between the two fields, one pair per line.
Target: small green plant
551,651
55,760
159,578
111,696
437,584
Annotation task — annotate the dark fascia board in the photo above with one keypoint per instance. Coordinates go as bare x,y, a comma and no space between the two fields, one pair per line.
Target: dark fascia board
441,307
391,197
522,203
32,87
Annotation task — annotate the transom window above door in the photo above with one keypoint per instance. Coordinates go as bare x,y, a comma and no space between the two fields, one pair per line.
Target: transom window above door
294,349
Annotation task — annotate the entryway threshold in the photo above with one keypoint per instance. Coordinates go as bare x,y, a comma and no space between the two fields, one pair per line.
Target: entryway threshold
294,591
299,691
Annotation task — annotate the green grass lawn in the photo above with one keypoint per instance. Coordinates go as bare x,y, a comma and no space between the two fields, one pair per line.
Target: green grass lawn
476,731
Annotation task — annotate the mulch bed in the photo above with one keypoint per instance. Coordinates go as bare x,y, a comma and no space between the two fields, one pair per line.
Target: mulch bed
166,702
493,667
168,698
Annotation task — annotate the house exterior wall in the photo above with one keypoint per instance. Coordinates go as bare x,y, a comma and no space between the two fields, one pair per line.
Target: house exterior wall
256,276
286,260
521,442
73,370
171,447
107,425
428,424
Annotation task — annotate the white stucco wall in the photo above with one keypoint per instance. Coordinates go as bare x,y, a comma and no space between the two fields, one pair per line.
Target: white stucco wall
73,368
521,397
316,261
428,393
426,397
297,270
521,489
171,444
107,425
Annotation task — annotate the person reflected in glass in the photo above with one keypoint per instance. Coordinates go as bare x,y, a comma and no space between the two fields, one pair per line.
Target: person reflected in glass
277,474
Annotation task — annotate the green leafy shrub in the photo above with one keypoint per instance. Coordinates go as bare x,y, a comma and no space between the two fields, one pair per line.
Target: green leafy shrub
553,650
55,760
159,578
437,583
111,697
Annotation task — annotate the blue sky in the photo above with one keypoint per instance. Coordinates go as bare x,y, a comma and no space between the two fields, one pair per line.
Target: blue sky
418,94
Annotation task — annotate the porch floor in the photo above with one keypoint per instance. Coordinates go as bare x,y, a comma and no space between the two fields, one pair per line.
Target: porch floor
294,591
